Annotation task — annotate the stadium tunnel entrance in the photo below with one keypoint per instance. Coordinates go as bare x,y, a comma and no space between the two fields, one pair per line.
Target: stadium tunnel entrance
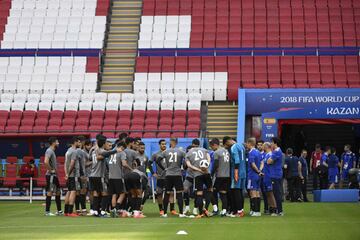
305,134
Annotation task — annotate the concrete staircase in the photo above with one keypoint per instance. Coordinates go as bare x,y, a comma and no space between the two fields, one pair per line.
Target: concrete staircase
222,119
121,46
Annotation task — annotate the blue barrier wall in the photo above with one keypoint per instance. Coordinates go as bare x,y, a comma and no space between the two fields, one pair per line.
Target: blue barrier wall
275,104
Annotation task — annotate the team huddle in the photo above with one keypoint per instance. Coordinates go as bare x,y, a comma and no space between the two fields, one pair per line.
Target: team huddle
115,177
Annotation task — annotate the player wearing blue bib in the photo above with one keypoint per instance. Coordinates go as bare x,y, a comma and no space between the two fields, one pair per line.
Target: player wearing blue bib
259,146
323,169
254,159
265,173
276,172
348,161
333,165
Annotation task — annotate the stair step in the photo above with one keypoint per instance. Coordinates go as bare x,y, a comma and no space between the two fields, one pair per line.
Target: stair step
122,37
116,89
119,62
221,122
226,115
120,70
126,12
112,79
127,4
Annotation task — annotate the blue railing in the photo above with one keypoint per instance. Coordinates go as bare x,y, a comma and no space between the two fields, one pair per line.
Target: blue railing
50,52
322,51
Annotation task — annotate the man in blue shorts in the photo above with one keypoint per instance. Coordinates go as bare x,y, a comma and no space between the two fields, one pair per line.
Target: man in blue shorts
333,168
265,173
254,159
348,161
276,172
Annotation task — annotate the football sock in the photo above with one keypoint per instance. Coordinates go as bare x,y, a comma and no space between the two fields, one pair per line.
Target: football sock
104,203
123,204
180,202
224,200
66,208
166,202
160,206
71,208
172,206
273,210
138,203
96,204
252,204
241,199
108,202
48,203
207,199
118,206
214,198
83,201
200,203
143,200
258,204
58,202
186,199
77,202
238,200
128,203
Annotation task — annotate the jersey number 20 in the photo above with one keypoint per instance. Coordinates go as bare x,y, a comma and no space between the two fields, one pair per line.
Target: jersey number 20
199,155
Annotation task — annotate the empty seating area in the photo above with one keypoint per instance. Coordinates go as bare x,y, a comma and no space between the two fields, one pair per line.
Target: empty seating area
213,75
211,85
55,24
293,72
48,74
254,23
142,115
165,32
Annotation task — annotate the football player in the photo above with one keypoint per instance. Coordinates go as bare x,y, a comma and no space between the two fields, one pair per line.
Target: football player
198,160
52,180
221,172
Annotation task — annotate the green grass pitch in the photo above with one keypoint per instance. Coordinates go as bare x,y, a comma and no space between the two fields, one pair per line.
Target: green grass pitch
306,221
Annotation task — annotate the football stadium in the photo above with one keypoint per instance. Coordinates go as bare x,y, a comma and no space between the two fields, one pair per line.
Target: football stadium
180,119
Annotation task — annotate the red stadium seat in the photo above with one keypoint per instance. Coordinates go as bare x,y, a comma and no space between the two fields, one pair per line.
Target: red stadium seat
11,172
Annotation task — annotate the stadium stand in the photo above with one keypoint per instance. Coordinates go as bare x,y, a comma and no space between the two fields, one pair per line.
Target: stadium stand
224,40
212,76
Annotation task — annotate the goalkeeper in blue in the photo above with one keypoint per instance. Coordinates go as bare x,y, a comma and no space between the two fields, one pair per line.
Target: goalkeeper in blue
237,175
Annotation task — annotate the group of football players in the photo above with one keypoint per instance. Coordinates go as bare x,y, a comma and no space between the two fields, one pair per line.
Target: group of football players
115,176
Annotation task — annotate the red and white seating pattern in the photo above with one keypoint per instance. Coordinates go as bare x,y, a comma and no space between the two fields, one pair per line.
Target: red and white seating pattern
165,32
54,24
152,115
48,74
261,23
246,72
